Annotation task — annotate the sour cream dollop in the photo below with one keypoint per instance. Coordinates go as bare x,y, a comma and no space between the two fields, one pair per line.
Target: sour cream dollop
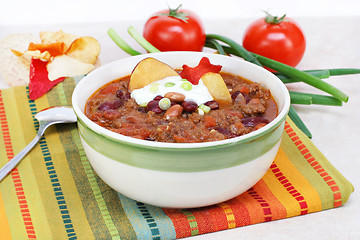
197,93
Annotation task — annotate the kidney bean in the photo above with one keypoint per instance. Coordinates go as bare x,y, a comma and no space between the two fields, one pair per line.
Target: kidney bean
173,111
226,132
253,121
213,105
154,106
239,99
234,95
174,96
111,105
158,97
123,94
189,106
246,96
142,109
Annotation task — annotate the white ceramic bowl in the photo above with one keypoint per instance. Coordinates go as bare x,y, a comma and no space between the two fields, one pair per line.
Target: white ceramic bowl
180,175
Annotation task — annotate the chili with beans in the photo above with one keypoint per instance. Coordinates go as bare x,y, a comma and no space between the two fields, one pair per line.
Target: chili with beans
113,108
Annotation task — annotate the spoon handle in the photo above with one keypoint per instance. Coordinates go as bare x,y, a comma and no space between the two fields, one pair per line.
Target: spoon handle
9,166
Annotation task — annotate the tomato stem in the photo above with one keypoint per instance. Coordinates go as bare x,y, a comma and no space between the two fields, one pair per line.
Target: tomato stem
274,19
175,13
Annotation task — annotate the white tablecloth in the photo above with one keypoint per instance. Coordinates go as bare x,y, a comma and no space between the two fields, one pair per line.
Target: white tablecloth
333,40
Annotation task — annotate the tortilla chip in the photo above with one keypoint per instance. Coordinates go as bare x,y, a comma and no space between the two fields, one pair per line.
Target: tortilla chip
15,70
85,49
65,66
48,37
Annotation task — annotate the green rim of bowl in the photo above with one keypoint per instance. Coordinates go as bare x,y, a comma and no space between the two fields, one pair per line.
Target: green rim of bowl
182,159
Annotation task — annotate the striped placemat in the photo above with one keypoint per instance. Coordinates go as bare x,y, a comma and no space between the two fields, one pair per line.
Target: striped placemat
55,194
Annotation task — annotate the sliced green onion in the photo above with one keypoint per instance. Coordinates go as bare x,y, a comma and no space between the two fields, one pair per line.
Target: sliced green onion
154,87
308,99
205,108
121,43
298,122
164,103
141,40
143,104
187,86
169,84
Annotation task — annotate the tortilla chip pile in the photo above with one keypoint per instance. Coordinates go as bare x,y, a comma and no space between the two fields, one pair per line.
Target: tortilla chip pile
24,58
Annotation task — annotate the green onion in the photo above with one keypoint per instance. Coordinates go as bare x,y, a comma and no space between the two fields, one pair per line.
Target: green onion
317,73
288,71
187,86
321,73
205,108
303,76
164,103
343,71
121,43
141,40
308,99
154,87
217,45
144,104
298,122
240,50
169,84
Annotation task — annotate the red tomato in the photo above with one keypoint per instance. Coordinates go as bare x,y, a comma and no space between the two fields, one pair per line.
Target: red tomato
175,30
279,39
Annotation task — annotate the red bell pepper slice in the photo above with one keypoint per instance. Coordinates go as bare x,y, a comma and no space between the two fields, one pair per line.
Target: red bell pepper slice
193,75
39,82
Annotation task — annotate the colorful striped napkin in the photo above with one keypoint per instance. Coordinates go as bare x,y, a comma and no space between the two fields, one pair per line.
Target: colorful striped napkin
55,194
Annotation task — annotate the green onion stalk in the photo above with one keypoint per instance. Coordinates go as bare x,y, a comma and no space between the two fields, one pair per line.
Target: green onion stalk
291,72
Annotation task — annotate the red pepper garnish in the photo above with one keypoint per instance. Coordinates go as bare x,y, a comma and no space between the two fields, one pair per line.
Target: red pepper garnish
193,75
39,82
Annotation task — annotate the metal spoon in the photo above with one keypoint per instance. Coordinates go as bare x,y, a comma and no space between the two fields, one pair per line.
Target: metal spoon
46,118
